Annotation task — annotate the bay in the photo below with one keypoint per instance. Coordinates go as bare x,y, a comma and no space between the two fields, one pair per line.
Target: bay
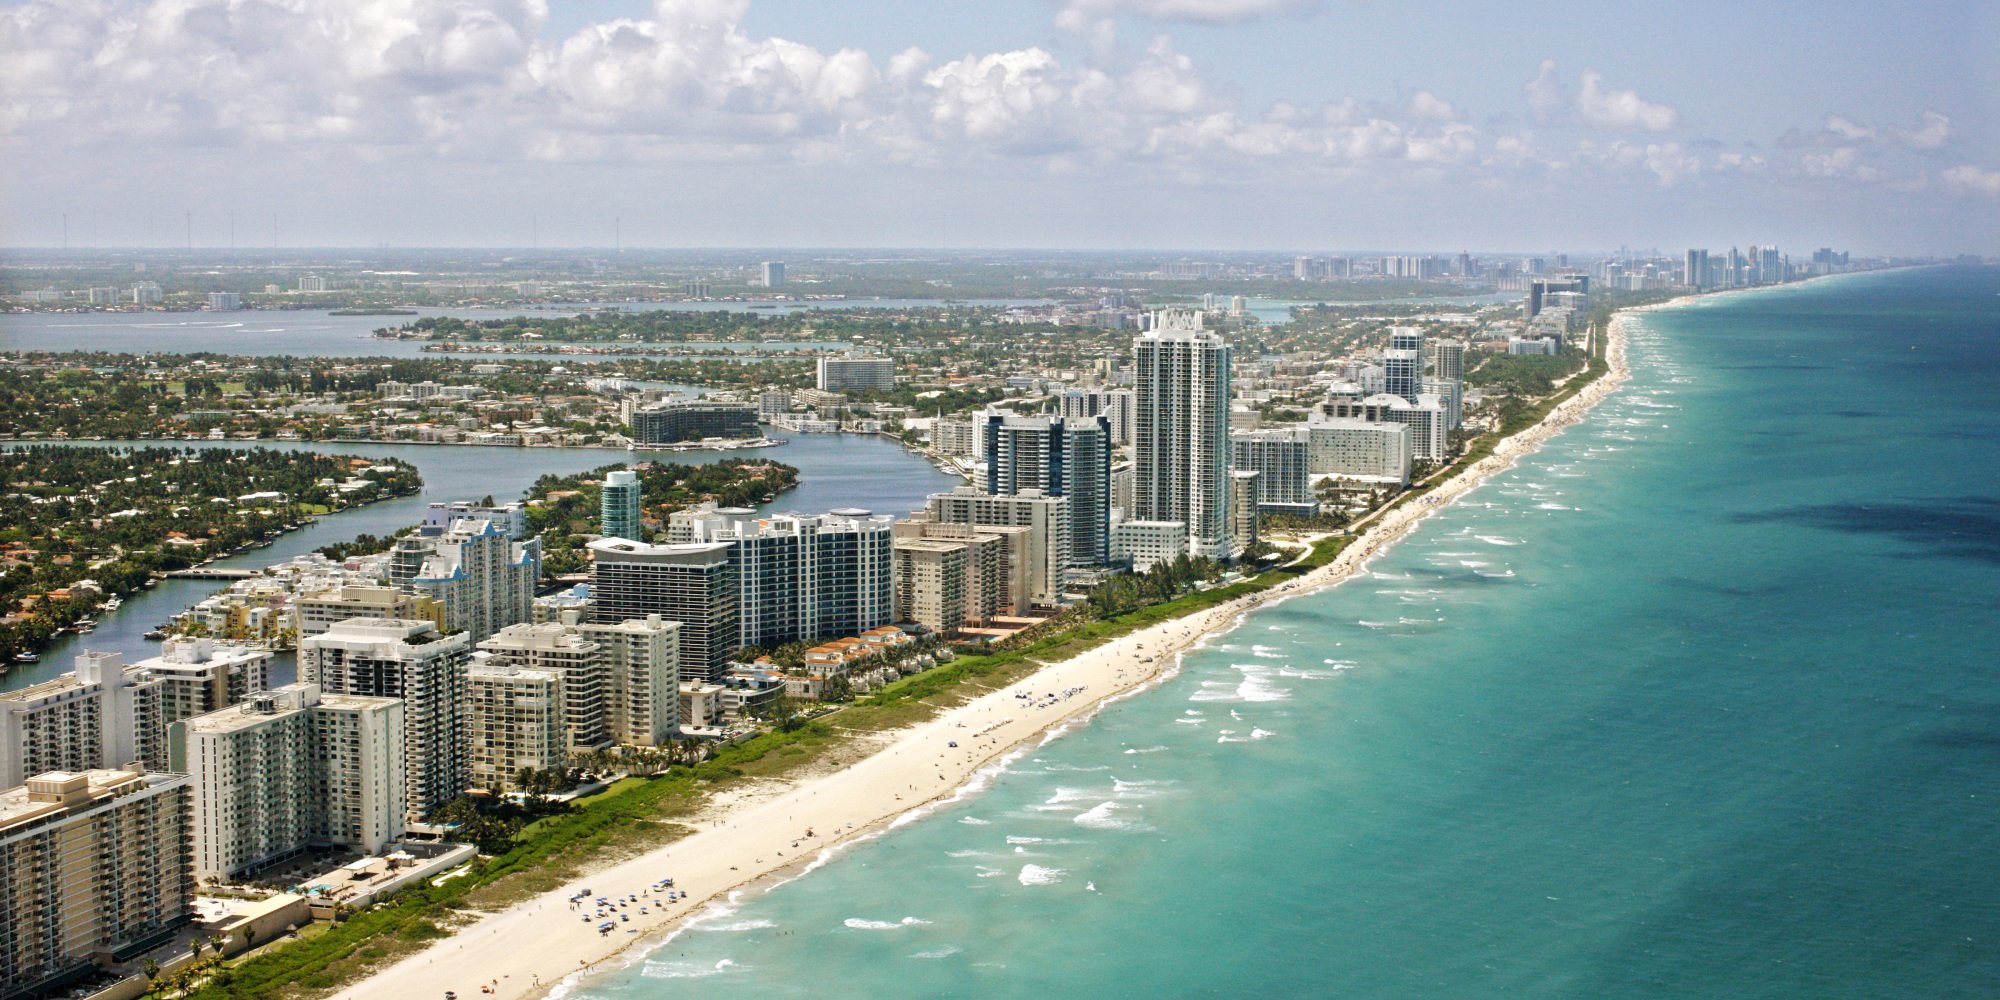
314,333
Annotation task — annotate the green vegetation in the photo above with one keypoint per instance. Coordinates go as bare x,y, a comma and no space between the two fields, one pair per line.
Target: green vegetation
116,517
362,545
73,395
565,510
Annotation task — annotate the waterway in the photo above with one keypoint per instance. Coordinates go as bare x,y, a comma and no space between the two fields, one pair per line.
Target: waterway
1698,701
835,470
314,333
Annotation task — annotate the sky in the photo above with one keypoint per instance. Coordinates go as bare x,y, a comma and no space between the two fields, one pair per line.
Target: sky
1289,125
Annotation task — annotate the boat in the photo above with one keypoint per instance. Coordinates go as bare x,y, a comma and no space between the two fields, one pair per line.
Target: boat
157,635
26,657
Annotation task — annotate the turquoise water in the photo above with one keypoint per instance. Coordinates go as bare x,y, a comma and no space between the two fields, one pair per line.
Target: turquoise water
1698,701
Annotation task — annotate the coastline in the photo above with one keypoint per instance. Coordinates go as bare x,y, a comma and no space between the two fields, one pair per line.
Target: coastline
540,945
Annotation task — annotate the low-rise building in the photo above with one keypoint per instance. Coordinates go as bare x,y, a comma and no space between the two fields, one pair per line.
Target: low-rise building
1140,544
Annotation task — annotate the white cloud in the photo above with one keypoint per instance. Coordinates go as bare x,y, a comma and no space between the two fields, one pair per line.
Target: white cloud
1546,96
1974,180
1932,131
1429,106
1194,11
1621,110
310,89
1848,131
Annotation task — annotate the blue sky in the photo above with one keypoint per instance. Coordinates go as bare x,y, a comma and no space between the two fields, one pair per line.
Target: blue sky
1253,124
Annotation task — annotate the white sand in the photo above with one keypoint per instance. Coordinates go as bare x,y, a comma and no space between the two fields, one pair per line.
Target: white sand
535,945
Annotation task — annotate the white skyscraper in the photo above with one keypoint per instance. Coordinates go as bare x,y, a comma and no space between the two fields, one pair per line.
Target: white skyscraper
1180,436
485,580
290,769
410,660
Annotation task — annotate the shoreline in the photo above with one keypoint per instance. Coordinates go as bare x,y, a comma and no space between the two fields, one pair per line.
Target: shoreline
541,947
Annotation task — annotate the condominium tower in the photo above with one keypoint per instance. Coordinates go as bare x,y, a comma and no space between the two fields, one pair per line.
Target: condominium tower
484,579
619,505
288,770
413,661
1067,457
93,863
1180,432
693,584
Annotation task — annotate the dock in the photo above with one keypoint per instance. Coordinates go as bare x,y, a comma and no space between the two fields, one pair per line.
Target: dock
213,573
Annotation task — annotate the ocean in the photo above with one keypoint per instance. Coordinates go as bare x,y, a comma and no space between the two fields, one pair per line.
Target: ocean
1699,700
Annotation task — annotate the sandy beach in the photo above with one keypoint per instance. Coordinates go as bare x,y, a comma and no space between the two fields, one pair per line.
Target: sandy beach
544,943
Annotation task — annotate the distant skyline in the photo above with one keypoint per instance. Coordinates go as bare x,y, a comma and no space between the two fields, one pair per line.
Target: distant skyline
1087,124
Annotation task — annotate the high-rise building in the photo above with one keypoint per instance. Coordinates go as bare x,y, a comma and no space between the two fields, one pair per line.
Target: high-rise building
1407,338
1694,273
1045,518
1429,426
516,720
93,864
931,583
413,661
224,302
484,580
641,658
574,660
511,517
107,713
1450,395
1770,266
773,273
995,571
1142,544
693,584
1067,457
291,769
798,576
1243,507
1282,459
1540,289
619,506
1448,359
855,370
773,403
1181,430
1356,449
1403,373
1115,405
958,436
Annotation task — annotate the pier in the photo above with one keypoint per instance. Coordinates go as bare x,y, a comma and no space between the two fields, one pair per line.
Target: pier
213,573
